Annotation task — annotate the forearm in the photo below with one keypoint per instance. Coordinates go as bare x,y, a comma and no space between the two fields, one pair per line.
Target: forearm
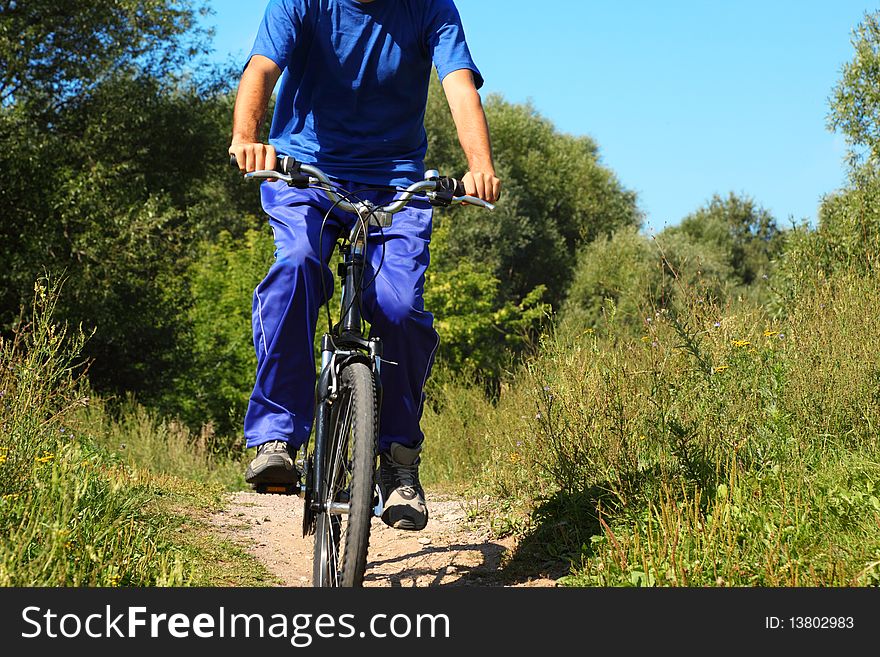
254,91
473,130
473,135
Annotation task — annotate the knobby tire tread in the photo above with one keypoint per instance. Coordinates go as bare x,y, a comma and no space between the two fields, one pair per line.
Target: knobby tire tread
358,379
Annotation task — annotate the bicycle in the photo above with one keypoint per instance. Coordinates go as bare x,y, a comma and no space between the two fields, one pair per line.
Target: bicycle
339,487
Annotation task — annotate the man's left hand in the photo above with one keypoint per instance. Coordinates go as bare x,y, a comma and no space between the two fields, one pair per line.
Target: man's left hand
483,185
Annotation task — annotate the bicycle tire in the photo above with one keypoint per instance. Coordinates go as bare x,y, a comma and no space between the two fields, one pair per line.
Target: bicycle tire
341,541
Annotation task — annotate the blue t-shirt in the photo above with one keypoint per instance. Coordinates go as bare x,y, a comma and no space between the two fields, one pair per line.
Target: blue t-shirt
355,81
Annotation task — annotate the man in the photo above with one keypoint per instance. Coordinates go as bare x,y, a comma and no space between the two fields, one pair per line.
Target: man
352,101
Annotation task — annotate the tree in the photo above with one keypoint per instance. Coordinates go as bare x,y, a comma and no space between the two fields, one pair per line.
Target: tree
556,196
112,152
737,227
847,238
855,100
54,50
623,280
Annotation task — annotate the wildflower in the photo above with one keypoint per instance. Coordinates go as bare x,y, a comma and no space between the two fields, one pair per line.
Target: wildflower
717,324
646,338
514,458
45,458
720,368
741,343
770,334
4,452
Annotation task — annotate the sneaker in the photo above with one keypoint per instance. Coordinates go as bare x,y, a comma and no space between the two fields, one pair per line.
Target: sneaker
405,506
272,465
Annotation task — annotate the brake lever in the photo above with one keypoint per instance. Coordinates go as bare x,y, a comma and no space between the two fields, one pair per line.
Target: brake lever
267,174
298,180
473,200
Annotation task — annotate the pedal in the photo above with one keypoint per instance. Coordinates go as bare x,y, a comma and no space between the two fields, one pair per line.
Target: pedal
277,489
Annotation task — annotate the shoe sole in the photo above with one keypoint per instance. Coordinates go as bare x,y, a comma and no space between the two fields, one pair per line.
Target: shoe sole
404,523
273,473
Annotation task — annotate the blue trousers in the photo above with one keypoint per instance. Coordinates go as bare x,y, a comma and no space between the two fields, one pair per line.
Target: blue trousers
287,303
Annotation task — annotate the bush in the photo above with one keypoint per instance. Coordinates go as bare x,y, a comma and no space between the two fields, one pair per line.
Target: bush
72,517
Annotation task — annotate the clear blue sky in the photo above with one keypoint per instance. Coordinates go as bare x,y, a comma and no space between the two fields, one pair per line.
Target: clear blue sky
685,98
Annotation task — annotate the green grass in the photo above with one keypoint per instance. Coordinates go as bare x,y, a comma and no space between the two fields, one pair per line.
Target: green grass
75,513
722,447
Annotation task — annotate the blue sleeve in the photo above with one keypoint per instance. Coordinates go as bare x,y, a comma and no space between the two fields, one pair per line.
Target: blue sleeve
446,42
277,32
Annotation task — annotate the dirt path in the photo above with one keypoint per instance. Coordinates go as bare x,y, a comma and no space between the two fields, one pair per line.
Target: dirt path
451,551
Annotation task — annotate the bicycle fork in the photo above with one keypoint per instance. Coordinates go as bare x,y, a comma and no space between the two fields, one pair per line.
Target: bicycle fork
342,345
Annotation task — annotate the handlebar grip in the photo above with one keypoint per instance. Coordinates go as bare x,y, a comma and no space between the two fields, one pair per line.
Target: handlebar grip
282,163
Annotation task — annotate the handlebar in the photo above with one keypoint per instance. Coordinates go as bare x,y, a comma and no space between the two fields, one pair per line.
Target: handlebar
440,190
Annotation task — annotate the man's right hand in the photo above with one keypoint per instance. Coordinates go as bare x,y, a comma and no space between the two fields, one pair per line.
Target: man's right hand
253,156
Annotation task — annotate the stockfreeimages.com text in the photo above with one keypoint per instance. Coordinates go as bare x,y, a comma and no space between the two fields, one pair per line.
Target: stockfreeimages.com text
299,629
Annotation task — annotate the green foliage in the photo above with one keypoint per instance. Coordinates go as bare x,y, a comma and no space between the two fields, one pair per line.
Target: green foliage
855,101
847,240
51,51
86,498
717,449
725,249
619,272
120,215
67,519
475,333
556,195
495,276
737,229
217,385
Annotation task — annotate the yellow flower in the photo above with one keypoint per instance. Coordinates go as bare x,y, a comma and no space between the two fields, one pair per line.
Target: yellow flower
514,458
741,343
770,334
45,458
720,368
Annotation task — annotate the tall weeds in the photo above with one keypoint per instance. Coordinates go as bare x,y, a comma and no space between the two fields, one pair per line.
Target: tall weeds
720,447
70,514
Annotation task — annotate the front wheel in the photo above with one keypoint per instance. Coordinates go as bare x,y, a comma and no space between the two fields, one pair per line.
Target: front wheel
342,528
